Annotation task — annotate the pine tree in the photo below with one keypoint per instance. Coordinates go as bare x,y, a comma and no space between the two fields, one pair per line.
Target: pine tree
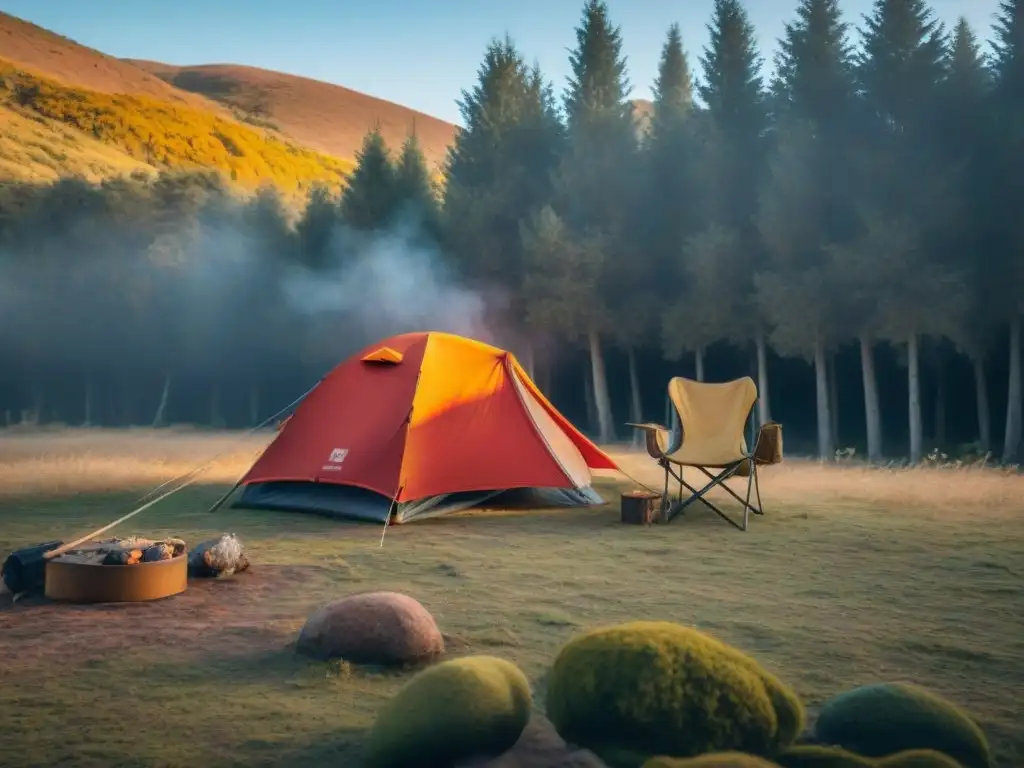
814,67
905,192
670,153
317,228
672,199
368,202
730,171
597,178
731,86
415,194
804,206
964,100
902,61
495,176
1008,266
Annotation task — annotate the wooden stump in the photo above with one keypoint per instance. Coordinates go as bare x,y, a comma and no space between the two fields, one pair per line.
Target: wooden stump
639,507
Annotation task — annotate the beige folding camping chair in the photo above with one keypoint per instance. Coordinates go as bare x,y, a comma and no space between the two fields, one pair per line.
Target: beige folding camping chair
707,434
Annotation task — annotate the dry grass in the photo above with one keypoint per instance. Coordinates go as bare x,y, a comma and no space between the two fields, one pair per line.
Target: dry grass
853,576
321,115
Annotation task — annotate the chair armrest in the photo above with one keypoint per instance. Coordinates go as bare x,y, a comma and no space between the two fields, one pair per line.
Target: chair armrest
655,436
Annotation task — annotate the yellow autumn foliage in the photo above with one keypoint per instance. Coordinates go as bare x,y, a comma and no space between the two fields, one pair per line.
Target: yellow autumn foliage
170,136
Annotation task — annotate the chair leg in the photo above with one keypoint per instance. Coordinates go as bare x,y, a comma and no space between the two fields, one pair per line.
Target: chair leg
751,478
751,474
719,481
664,495
757,490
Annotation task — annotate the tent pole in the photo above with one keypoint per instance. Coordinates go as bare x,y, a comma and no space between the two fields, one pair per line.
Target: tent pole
387,520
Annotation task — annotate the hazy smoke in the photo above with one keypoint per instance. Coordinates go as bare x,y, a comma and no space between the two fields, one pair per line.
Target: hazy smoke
384,284
98,320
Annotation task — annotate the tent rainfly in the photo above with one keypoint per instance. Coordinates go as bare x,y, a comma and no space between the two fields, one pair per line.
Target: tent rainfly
420,425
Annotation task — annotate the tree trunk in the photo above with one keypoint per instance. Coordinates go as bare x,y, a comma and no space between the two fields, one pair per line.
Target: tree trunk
38,399
530,362
764,413
606,426
1011,443
254,404
872,412
159,419
545,378
826,450
588,397
914,394
981,400
87,416
216,418
940,406
698,356
833,399
634,397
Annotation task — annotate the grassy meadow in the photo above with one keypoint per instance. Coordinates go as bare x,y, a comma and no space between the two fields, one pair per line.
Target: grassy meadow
853,576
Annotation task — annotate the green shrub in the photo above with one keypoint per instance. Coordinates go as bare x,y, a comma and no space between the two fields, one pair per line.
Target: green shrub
918,758
713,760
661,688
816,756
473,706
883,719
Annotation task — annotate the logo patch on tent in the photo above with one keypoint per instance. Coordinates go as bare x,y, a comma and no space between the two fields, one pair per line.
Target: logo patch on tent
336,460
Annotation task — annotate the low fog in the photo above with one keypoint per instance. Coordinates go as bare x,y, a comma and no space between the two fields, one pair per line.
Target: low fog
114,312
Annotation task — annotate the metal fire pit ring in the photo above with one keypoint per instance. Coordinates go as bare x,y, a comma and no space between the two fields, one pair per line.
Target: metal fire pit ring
92,583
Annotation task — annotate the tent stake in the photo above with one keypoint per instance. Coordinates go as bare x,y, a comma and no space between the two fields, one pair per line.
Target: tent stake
227,495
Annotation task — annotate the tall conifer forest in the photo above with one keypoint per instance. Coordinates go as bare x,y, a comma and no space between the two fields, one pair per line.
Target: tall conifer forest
838,214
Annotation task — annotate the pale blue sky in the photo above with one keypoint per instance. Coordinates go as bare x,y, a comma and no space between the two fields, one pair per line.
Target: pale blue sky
420,54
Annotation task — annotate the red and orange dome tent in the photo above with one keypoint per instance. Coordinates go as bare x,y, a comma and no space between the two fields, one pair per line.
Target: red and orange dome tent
420,425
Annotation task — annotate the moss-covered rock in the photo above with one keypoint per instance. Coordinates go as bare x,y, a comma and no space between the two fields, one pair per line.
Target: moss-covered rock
713,760
883,719
621,757
817,756
463,708
662,688
918,758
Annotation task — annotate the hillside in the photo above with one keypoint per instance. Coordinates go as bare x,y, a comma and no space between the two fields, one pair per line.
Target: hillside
320,115
35,49
46,121
39,150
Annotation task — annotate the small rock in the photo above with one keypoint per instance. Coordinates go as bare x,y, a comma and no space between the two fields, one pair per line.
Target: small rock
218,557
372,628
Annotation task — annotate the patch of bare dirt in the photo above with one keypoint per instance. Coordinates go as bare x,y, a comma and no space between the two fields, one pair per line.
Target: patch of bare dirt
35,630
